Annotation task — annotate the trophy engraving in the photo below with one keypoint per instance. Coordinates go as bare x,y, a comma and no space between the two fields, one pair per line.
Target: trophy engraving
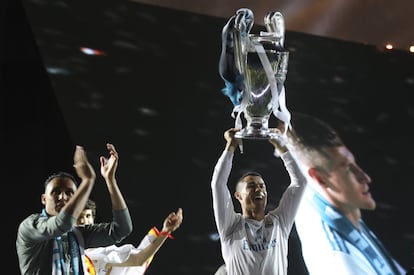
254,68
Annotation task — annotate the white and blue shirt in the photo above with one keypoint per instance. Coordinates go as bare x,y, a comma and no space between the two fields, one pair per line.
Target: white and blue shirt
332,245
249,246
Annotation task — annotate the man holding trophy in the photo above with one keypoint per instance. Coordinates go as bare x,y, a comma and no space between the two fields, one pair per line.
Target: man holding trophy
254,242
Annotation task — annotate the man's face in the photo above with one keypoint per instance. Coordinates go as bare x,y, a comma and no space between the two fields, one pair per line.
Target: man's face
86,217
347,184
252,194
57,194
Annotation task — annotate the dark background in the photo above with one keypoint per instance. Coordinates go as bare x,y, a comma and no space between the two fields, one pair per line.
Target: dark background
378,22
155,94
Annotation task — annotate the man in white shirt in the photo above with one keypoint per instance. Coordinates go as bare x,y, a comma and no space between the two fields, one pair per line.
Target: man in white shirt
254,242
127,259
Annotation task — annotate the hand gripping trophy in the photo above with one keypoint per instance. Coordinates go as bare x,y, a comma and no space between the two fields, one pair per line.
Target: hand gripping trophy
254,67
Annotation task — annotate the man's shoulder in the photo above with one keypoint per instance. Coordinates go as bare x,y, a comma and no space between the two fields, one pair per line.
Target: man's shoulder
30,218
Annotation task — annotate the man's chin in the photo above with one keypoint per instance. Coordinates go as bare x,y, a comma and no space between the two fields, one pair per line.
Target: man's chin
371,206
260,203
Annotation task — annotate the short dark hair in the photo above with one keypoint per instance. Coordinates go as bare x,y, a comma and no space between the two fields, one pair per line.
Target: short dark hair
310,136
246,174
249,173
91,204
312,132
62,175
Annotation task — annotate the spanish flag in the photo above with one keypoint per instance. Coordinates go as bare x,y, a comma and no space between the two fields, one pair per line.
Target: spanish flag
90,268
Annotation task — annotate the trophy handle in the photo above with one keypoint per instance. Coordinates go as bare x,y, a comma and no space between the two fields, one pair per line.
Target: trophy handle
232,64
243,23
275,23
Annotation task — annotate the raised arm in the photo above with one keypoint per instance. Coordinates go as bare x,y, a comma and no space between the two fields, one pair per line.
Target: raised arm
87,175
147,249
289,203
108,170
120,210
223,207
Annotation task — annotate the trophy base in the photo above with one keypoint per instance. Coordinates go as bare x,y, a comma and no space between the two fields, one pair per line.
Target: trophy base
255,134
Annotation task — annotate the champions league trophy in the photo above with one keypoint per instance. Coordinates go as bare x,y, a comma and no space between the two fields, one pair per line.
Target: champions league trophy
254,67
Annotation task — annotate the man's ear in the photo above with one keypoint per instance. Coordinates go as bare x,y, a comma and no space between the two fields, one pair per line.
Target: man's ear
237,195
43,199
318,176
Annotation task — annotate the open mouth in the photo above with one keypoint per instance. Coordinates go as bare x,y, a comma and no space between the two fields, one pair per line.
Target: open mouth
259,197
366,193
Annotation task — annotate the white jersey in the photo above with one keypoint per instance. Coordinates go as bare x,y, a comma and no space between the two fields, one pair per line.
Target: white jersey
102,256
251,247
326,251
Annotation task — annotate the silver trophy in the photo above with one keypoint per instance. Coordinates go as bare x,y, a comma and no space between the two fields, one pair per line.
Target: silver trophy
254,68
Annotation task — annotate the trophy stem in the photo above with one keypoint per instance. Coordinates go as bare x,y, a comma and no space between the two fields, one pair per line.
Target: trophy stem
257,128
